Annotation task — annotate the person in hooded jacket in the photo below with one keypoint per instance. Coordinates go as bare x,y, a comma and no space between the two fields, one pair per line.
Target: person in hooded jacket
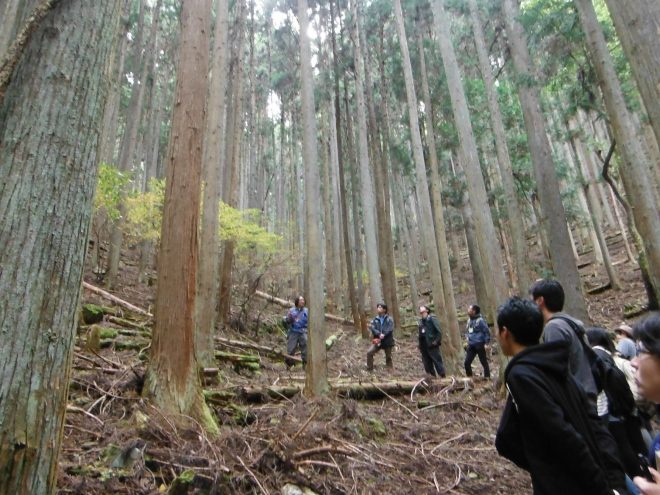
382,333
548,427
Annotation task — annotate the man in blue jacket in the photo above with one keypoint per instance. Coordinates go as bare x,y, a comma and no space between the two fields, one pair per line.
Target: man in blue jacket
478,335
382,333
296,322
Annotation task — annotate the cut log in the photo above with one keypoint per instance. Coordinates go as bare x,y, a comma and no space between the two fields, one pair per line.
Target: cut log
116,300
287,304
269,351
348,390
248,361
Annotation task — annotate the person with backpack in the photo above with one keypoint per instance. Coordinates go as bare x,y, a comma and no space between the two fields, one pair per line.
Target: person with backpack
478,337
548,294
430,339
547,427
616,403
296,323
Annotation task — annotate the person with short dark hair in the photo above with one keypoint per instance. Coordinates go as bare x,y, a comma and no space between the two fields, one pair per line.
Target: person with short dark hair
382,333
547,427
296,322
548,294
647,376
430,339
478,336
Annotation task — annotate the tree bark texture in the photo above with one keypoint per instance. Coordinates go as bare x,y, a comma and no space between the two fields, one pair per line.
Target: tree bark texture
553,220
317,372
516,224
637,24
366,181
214,152
634,171
47,179
172,381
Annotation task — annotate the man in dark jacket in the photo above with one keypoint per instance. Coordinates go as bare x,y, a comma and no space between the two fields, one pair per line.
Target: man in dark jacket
478,335
430,339
547,427
382,333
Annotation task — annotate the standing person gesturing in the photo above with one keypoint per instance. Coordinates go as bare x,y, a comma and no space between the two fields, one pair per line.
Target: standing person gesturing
296,321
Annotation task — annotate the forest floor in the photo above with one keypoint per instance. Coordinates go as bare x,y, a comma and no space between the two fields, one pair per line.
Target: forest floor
438,438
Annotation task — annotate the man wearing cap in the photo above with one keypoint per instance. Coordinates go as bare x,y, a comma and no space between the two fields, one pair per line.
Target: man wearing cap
381,328
625,345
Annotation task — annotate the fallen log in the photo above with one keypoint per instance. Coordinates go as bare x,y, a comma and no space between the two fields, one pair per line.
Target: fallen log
269,351
347,390
116,300
248,361
287,304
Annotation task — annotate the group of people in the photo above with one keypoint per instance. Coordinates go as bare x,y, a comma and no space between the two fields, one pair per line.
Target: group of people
565,420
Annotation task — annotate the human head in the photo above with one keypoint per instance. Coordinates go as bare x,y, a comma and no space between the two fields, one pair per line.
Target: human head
474,310
424,311
548,294
520,323
647,361
300,302
381,307
624,331
600,337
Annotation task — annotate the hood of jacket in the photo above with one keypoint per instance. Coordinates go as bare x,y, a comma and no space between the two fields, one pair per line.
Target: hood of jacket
551,358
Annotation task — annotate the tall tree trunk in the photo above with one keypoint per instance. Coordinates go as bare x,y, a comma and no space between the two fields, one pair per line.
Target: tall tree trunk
47,151
469,158
366,182
111,112
172,381
428,235
355,309
214,152
316,382
127,148
553,220
634,170
513,209
231,170
379,168
440,228
637,24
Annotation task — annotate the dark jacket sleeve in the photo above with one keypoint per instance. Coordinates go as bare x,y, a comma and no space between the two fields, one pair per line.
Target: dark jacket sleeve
436,334
482,327
545,419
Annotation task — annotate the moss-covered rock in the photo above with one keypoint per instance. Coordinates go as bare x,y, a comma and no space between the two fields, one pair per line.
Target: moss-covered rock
91,313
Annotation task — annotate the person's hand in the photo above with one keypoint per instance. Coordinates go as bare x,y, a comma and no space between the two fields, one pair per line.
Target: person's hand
381,336
375,341
647,487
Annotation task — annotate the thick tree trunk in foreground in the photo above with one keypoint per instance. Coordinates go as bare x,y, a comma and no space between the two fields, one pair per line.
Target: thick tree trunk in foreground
553,221
172,381
317,367
47,151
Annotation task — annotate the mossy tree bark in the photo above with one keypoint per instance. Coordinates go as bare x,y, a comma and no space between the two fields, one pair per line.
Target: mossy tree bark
50,120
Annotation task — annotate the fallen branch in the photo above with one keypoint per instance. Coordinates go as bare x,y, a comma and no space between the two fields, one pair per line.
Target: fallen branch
287,304
116,300
269,351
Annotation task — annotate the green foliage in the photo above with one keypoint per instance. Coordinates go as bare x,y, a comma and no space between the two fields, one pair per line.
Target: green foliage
110,187
144,212
242,227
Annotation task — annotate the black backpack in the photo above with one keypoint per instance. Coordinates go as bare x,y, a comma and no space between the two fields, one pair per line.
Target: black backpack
607,375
